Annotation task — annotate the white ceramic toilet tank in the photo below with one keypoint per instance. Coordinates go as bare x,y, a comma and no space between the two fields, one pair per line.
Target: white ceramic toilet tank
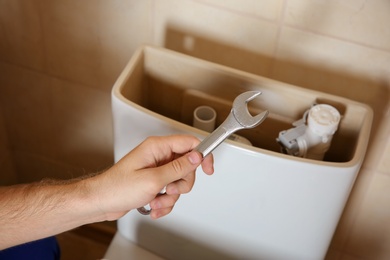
260,203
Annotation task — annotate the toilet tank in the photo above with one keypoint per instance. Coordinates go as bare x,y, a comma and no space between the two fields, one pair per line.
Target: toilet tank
260,203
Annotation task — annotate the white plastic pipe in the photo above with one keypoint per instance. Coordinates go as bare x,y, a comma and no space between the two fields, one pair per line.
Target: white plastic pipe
204,118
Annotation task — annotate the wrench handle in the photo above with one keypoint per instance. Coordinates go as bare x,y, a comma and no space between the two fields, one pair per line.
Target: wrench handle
228,127
212,141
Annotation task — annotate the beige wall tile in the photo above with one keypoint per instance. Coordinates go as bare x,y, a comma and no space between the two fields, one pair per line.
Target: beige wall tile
332,255
370,234
90,41
82,126
270,10
360,21
56,119
21,39
214,34
332,53
74,246
3,43
7,172
352,208
384,164
378,150
344,256
334,66
32,167
25,97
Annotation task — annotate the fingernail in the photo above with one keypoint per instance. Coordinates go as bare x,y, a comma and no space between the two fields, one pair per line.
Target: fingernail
194,158
155,215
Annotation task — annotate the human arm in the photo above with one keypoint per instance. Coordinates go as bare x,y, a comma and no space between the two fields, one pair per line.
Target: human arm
33,211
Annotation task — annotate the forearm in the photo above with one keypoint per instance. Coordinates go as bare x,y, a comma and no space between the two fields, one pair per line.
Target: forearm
33,211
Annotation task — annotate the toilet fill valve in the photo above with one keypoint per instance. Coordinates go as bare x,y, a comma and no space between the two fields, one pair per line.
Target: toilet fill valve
312,135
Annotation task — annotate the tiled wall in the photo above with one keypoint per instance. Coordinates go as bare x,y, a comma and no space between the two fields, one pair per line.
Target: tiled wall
59,60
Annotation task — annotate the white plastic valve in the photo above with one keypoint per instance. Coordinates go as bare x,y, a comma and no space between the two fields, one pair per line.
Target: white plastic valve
322,123
323,120
312,135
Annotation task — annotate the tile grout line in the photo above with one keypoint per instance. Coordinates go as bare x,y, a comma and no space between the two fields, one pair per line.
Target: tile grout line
152,19
51,76
280,25
345,40
231,10
281,22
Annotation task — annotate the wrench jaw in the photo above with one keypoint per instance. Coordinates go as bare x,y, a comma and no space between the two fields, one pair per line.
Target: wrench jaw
241,112
239,118
260,118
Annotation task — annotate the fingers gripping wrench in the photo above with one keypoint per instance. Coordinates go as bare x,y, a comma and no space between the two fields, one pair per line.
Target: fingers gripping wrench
239,118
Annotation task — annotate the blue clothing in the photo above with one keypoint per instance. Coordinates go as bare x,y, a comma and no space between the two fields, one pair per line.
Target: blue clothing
44,249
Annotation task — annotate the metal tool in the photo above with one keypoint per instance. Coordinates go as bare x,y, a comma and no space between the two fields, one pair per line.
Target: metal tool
239,118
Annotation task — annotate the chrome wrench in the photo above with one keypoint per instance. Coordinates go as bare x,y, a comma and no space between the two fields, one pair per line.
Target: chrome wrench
238,119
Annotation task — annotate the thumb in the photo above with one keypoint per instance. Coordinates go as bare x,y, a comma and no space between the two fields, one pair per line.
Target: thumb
180,167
